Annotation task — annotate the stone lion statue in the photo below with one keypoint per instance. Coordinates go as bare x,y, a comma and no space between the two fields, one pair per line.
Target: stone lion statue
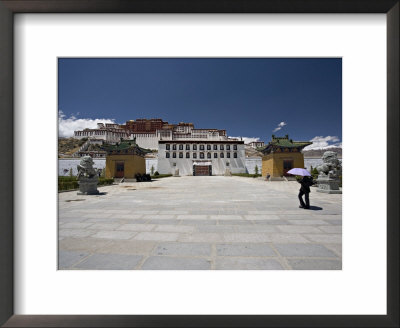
85,168
331,166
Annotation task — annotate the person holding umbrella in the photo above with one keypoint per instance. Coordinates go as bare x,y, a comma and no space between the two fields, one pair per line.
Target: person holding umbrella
306,182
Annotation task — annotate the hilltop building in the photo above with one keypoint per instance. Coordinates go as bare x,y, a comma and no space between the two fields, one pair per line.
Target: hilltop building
281,155
109,132
256,144
201,156
124,160
147,132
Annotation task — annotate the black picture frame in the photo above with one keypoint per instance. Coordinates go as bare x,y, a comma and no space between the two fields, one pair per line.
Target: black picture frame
10,7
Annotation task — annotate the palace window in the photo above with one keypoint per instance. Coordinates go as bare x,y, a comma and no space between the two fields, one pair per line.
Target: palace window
235,155
187,155
234,147
221,155
174,155
187,147
221,147
201,147
194,147
208,147
201,155
215,155
180,155
227,163
167,147
194,155
174,147
167,155
215,147
228,147
180,147
228,155
208,155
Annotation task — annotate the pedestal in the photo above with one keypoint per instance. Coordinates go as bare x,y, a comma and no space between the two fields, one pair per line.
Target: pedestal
328,185
88,186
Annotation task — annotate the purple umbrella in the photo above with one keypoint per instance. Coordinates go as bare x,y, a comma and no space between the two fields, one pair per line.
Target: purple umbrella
298,171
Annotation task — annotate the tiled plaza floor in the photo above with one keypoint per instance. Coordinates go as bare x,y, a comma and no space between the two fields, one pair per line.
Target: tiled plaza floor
197,223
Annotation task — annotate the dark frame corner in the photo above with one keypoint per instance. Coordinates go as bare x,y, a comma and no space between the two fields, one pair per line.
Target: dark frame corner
10,7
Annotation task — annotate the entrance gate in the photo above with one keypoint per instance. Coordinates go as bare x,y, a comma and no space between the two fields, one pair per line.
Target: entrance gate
202,169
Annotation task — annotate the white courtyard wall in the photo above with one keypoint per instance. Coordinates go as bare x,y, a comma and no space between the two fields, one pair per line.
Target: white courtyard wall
185,165
146,140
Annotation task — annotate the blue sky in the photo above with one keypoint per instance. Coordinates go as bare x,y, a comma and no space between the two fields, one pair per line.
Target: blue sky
249,97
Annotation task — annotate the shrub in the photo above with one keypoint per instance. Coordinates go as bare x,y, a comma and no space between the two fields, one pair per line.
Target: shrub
152,170
246,175
156,173
256,170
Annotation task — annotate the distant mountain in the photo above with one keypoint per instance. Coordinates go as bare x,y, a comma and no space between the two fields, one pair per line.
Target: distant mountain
317,153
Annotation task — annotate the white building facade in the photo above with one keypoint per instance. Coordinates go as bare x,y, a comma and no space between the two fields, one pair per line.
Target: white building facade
201,157
110,133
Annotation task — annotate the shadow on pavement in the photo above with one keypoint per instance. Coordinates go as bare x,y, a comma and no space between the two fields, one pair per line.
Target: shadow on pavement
315,208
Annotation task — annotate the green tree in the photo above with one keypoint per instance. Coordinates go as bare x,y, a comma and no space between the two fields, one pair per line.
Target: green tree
256,170
71,174
152,170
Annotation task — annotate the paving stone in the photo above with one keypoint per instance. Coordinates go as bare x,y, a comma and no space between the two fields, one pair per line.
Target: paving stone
234,222
258,217
192,217
226,217
75,225
75,232
256,228
105,226
82,244
326,238
215,228
336,248
245,250
176,263
158,236
303,250
202,237
314,222
159,216
136,227
334,222
270,222
245,237
66,259
298,229
331,229
172,221
183,249
128,247
243,263
314,264
199,222
174,228
287,238
110,262
114,234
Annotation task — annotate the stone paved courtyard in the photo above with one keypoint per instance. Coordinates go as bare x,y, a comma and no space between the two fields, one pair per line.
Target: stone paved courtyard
197,223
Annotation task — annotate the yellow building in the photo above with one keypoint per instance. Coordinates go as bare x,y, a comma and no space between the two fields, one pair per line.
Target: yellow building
124,160
281,155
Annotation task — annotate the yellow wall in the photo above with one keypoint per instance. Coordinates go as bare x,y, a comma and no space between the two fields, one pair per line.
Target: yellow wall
133,164
273,163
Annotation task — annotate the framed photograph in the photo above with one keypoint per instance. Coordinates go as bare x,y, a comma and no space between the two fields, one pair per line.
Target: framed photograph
156,150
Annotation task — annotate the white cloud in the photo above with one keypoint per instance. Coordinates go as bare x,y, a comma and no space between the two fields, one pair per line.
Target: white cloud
67,126
320,142
280,126
247,140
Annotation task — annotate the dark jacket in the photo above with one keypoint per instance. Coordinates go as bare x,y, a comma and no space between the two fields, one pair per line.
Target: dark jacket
306,183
